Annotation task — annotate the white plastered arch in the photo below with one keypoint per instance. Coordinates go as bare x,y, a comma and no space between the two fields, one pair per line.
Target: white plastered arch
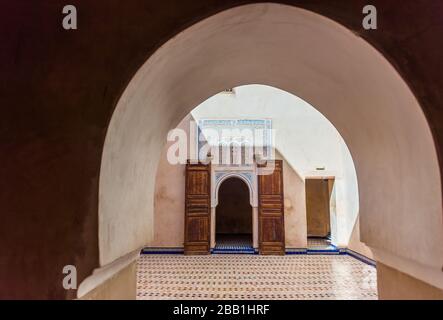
253,200
252,186
315,58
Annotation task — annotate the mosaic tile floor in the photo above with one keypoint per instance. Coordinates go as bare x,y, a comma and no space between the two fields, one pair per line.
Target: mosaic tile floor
221,277
320,244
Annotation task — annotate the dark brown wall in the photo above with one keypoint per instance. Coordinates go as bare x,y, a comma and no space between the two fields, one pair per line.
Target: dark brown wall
59,88
234,212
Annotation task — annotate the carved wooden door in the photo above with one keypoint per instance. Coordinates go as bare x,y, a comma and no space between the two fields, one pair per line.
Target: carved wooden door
197,209
271,209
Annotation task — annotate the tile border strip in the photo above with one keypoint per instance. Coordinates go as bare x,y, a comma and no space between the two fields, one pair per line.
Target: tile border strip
361,257
291,251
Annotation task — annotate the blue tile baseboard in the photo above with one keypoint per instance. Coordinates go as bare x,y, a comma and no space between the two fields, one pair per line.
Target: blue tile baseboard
296,251
331,249
148,250
361,257
289,251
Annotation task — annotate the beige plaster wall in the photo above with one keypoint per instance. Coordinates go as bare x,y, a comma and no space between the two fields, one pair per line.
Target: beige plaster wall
169,206
356,245
295,206
395,285
121,286
169,198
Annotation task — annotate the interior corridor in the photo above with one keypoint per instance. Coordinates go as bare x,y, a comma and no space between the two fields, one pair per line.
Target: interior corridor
290,277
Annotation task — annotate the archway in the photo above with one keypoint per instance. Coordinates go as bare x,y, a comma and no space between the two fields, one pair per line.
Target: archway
316,59
251,183
234,220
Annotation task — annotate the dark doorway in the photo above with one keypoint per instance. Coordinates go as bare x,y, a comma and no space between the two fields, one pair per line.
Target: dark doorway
233,216
318,201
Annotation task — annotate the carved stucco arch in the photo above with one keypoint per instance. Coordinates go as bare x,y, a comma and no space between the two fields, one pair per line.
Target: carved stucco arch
249,177
249,181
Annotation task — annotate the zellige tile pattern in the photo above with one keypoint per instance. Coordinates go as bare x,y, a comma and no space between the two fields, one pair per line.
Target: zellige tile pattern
320,244
254,277
233,243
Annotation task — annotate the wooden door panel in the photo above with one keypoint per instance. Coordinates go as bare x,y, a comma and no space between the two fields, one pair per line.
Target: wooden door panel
197,205
270,229
271,210
271,185
198,181
197,229
197,209
271,204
